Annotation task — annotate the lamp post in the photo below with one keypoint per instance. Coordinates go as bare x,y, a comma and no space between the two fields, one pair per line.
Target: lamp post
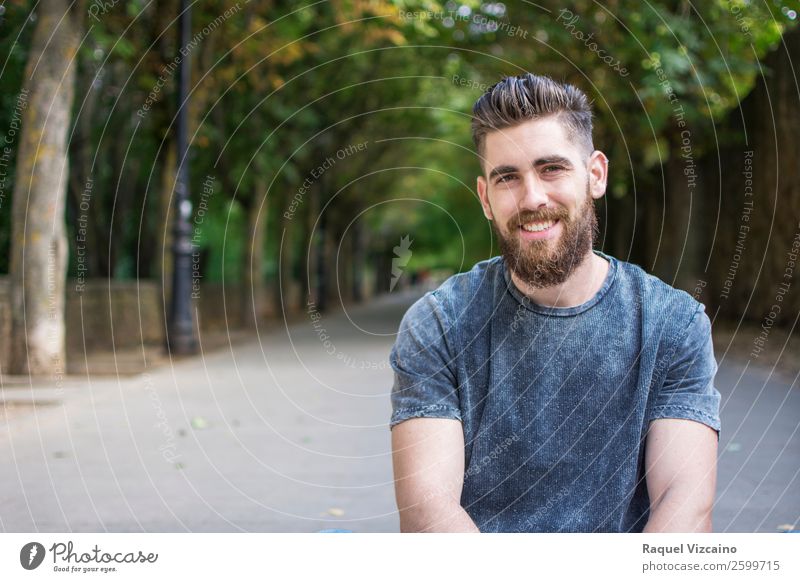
180,330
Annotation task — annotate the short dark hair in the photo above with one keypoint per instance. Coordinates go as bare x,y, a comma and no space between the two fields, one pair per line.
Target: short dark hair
515,100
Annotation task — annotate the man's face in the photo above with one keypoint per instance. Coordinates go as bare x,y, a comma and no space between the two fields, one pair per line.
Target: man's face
538,190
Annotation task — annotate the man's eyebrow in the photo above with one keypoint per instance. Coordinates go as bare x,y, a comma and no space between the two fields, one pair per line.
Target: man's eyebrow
500,170
552,160
543,161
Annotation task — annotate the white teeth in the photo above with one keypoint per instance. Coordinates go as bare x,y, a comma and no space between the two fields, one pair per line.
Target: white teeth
538,226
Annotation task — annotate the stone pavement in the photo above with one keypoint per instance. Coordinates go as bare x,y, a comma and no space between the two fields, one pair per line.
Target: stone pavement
288,433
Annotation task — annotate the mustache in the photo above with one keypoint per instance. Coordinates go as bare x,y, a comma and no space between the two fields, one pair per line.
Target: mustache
539,215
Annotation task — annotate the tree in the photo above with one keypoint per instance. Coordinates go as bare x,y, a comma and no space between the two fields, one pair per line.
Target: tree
39,245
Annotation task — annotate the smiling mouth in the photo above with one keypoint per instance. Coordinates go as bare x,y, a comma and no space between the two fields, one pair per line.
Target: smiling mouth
538,226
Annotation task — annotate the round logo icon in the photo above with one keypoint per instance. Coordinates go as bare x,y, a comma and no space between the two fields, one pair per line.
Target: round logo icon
31,555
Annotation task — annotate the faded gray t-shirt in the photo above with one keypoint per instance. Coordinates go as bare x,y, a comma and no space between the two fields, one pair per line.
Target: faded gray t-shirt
555,402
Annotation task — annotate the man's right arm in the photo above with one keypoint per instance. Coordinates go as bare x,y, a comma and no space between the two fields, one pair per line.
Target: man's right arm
428,458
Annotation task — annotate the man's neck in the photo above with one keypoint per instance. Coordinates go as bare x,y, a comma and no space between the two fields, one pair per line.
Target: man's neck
583,284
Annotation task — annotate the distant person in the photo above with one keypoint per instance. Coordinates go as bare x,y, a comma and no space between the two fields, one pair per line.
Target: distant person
554,388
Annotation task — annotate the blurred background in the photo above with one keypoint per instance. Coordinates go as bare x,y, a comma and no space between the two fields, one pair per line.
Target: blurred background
208,236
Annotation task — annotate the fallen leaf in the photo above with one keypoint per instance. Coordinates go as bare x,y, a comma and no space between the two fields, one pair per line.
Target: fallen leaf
336,512
199,423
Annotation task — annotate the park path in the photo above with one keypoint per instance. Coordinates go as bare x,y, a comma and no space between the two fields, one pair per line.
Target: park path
288,433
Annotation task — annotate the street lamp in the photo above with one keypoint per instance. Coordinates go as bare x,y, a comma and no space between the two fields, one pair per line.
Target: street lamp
180,330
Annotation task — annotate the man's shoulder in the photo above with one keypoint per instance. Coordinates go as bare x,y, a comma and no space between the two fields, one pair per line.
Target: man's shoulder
456,294
465,288
432,316
658,299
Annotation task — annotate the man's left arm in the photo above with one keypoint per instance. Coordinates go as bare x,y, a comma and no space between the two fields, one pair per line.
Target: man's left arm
681,442
681,466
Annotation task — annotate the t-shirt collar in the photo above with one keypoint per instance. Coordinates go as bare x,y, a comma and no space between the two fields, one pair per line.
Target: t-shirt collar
562,311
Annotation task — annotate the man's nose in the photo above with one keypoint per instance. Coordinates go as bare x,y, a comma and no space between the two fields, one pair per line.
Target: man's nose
535,193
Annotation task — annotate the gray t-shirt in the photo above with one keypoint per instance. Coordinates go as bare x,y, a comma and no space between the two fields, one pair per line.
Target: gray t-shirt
555,402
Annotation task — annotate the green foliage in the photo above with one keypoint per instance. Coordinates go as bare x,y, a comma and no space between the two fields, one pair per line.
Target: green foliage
223,241
278,87
16,31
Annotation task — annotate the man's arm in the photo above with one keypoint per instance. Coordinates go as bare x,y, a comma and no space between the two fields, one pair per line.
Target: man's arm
428,458
681,466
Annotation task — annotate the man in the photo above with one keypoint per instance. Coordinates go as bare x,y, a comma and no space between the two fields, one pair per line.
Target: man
555,388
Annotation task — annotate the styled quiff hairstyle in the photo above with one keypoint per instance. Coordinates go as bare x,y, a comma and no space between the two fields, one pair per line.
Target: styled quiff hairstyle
515,100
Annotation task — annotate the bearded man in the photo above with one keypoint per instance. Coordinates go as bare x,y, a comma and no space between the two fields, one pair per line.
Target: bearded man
554,388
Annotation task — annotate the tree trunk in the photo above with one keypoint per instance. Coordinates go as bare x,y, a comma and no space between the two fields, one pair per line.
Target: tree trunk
126,170
253,287
673,242
80,181
285,240
320,262
39,242
356,265
754,270
342,257
308,251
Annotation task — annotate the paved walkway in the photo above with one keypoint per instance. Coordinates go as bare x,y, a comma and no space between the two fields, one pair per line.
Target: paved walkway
289,434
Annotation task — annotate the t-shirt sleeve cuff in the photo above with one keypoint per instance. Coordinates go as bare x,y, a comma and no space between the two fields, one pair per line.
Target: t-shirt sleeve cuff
686,413
429,411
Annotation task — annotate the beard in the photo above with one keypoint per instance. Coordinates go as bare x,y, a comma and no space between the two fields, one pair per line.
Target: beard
546,263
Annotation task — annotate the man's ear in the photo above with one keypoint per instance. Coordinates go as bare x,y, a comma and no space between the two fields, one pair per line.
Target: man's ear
483,194
598,174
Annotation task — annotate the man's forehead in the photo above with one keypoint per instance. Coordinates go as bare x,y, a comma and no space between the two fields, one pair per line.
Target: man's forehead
530,143
535,138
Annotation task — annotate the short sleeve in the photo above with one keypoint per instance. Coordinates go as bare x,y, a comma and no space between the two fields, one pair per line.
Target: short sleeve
425,382
688,390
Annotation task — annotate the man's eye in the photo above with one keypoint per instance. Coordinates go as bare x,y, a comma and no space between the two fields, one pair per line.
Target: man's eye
506,178
552,169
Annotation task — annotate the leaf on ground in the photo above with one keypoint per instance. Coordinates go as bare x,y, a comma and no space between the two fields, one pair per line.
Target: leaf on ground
336,512
199,423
